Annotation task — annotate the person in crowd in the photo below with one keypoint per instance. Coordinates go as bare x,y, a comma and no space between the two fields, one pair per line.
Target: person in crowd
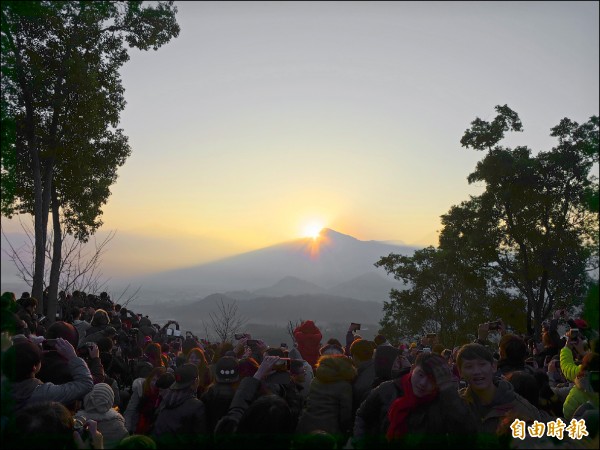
254,420
108,332
49,424
331,349
308,375
551,341
525,384
329,403
383,360
574,347
181,421
98,406
308,337
513,353
197,358
140,412
219,394
153,354
54,368
100,320
429,413
21,363
27,313
586,386
81,325
371,420
361,352
489,398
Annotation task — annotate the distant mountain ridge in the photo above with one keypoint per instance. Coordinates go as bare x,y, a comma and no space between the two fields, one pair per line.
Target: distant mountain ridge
334,264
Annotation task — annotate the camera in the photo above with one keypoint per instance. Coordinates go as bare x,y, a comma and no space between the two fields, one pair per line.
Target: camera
81,426
283,344
493,326
49,344
239,336
355,326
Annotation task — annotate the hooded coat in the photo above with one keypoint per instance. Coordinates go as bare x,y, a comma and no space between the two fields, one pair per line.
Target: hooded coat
329,403
505,400
181,421
110,423
308,338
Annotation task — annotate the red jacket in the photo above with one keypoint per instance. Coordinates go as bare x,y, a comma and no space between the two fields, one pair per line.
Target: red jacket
308,337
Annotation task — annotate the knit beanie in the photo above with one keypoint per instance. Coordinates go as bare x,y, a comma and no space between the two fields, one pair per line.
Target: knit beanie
100,399
361,350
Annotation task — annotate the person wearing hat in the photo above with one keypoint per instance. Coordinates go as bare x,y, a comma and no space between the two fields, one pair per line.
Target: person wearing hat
181,421
98,406
219,394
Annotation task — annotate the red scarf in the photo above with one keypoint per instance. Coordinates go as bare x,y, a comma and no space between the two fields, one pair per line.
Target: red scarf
402,407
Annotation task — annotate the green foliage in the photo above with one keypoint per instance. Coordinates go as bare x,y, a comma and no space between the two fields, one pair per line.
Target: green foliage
443,297
518,251
532,229
62,91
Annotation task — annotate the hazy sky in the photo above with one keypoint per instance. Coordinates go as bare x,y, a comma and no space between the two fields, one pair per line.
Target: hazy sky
264,116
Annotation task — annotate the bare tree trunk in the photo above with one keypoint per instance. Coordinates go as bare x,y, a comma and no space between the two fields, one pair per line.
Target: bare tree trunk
56,259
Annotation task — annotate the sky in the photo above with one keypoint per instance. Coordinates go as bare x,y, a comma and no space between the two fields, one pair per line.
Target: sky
263,118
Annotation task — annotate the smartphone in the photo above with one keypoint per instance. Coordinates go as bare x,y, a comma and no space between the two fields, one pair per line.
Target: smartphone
574,333
355,326
426,350
287,362
283,344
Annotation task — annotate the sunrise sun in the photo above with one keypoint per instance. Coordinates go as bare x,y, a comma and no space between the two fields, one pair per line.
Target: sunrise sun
312,230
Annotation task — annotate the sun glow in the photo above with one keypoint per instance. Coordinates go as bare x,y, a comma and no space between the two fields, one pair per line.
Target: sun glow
312,230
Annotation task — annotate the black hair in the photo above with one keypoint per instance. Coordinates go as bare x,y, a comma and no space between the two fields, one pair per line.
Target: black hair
474,351
514,348
19,360
42,425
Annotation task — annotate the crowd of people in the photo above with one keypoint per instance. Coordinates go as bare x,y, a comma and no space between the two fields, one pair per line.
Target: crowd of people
102,376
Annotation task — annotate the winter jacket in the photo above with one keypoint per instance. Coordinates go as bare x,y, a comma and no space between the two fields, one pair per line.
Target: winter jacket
308,337
181,421
567,364
110,423
579,394
362,383
506,400
371,420
329,403
33,390
81,326
132,414
217,400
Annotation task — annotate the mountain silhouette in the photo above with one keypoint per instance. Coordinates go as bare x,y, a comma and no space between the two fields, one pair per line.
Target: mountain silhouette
299,266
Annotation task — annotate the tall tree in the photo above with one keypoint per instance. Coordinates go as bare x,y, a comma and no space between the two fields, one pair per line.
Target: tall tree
532,228
62,91
442,296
